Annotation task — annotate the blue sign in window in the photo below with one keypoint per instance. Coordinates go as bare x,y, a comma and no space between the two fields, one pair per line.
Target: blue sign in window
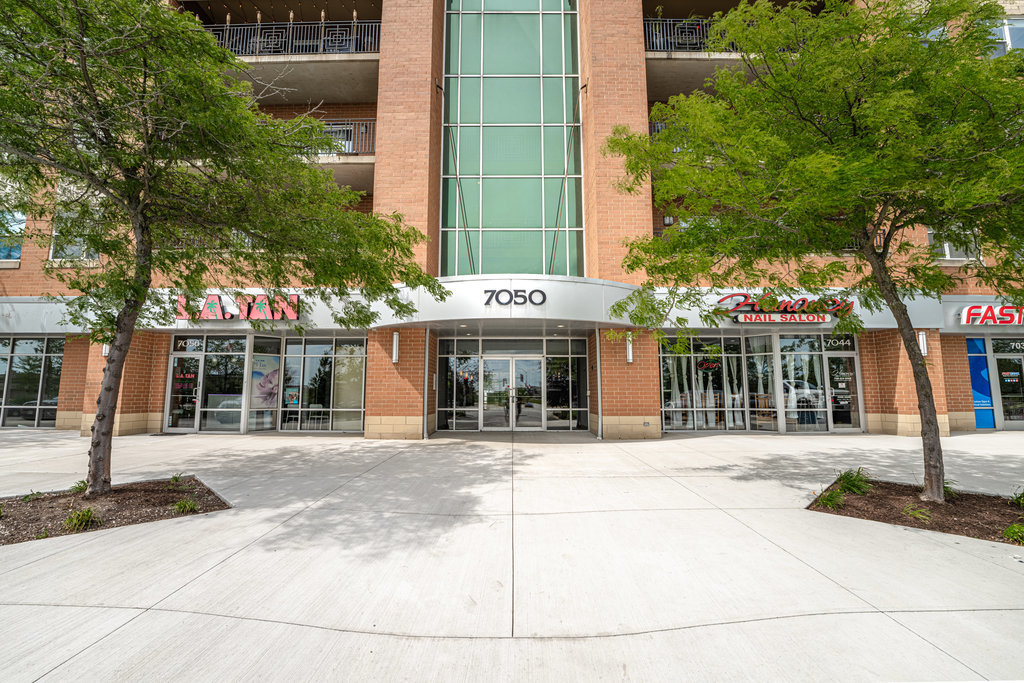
975,346
981,387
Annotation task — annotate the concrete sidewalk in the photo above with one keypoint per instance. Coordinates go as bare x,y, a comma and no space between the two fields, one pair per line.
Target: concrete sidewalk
501,557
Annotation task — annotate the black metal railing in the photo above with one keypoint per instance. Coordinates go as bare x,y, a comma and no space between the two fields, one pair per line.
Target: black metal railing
677,35
298,37
351,136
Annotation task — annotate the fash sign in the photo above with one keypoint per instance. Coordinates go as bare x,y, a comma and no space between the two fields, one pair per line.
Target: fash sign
992,315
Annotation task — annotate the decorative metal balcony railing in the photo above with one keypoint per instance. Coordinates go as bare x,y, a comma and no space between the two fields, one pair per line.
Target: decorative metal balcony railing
677,35
352,136
298,37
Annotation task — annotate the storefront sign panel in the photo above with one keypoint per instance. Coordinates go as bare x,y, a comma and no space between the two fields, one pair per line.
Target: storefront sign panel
776,318
990,314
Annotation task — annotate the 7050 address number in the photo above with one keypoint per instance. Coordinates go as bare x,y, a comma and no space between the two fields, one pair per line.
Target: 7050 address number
515,297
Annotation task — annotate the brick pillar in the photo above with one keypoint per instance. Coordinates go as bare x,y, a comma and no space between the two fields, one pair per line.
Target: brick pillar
407,170
140,403
73,373
630,392
394,391
594,397
432,380
957,373
890,399
613,67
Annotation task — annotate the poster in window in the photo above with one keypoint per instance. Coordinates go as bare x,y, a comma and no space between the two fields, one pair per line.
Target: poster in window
265,381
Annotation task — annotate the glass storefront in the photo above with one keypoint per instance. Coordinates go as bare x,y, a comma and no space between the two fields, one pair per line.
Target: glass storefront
275,383
1009,357
30,380
767,382
512,384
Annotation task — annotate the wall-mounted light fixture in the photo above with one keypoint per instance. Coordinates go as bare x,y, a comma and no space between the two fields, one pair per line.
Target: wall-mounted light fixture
105,351
922,342
394,347
629,347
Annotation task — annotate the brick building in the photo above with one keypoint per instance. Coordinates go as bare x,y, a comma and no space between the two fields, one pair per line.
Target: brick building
482,122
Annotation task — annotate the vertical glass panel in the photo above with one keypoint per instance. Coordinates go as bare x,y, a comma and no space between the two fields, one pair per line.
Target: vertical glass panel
558,347
349,347
3,376
572,64
676,382
48,417
578,347
348,382
554,106
446,347
497,378
975,345
347,421
445,382
512,150
5,345
448,253
451,5
23,381
468,246
677,420
708,392
560,420
292,383
578,368
573,151
264,382
470,35
315,420
792,342
460,203
181,411
469,100
512,100
468,154
262,420
472,5
572,106
270,345
554,150
319,347
558,376
29,345
51,381
1005,345
761,383
11,236
512,203
1015,29
563,203
293,346
223,377
511,5
220,421
316,381
512,347
511,251
528,396
467,347
576,253
53,345
448,150
803,392
556,249
551,31
290,418
451,100
761,344
511,44
845,396
451,62
467,382
733,395
981,387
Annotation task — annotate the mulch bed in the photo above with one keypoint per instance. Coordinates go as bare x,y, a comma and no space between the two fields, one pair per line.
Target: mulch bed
41,515
969,514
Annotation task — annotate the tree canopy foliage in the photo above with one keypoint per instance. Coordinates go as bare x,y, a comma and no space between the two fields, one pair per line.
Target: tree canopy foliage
816,163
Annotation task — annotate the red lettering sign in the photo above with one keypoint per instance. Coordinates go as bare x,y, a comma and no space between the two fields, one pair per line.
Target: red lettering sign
990,314
743,300
250,307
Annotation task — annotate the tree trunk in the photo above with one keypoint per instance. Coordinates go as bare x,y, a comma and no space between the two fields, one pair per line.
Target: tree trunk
934,469
106,405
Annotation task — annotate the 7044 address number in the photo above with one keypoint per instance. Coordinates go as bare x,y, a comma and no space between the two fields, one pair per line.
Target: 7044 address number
515,297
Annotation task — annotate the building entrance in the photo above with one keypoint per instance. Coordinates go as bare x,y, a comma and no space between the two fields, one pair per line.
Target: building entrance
513,394
1010,369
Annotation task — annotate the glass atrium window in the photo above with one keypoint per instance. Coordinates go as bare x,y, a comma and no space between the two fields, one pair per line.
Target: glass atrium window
512,188
11,236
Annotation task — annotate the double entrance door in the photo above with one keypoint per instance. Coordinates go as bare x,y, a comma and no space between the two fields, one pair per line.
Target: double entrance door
1011,387
513,393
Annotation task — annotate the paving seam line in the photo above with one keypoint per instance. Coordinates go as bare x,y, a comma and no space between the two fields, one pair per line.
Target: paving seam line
219,563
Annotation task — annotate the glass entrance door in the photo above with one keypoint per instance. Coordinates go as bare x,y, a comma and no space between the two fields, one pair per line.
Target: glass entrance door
513,393
184,395
843,393
1011,390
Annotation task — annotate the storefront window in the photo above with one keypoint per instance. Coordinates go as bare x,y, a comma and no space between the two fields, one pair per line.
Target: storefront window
30,380
323,384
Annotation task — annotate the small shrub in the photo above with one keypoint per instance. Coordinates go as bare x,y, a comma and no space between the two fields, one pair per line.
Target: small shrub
176,478
79,487
28,497
45,533
831,500
854,482
948,490
80,520
917,512
1018,497
1015,533
186,506
1,511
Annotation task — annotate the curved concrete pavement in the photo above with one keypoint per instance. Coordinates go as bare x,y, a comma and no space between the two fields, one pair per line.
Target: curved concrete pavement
501,557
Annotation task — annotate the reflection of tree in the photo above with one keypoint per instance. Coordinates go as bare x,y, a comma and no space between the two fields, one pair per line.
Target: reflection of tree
318,385
23,384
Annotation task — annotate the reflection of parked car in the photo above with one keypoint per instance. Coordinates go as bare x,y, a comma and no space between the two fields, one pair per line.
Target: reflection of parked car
801,393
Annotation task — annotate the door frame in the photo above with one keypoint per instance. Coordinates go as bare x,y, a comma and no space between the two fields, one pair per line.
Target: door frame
854,355
199,356
512,389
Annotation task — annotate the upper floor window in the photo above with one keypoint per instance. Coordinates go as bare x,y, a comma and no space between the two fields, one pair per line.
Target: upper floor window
1009,35
945,250
70,248
11,236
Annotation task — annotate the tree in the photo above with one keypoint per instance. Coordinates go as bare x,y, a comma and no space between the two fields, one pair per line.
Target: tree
123,125
817,163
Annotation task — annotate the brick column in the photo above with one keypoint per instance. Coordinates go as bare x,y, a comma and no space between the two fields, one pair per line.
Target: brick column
407,170
613,67
630,392
890,399
73,373
957,373
394,391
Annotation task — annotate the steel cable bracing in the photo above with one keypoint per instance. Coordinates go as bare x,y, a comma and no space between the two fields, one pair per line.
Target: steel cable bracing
565,178
458,186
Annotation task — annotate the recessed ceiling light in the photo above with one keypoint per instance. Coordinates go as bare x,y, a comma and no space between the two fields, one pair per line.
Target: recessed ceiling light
461,325
561,325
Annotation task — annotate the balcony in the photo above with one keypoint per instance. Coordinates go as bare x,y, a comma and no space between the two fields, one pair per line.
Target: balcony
307,61
678,60
351,162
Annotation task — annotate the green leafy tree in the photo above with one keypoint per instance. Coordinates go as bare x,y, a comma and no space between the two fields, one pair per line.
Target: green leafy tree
123,125
817,163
